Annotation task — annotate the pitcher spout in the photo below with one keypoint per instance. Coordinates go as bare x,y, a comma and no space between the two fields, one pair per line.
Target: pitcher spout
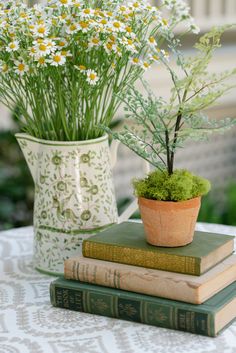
29,146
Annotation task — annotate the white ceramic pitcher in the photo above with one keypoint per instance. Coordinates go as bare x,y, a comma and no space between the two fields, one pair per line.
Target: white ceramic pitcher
74,195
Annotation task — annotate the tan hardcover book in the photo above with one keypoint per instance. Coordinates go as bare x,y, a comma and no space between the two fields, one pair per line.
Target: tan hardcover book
170,285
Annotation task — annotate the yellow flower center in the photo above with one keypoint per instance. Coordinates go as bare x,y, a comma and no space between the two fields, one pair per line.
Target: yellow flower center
95,40
164,21
12,45
63,16
103,22
64,52
109,13
21,67
42,47
62,44
109,46
23,15
112,39
155,57
5,68
41,61
73,27
116,24
122,8
41,30
83,24
136,5
92,76
152,40
57,58
64,2
87,11
136,60
128,29
82,67
129,41
145,64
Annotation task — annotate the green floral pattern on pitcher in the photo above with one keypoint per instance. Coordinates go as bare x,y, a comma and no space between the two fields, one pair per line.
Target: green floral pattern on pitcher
74,196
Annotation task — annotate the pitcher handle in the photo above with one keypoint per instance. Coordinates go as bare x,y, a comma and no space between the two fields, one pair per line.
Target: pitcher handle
133,206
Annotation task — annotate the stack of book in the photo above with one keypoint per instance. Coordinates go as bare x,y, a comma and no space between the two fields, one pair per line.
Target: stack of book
190,288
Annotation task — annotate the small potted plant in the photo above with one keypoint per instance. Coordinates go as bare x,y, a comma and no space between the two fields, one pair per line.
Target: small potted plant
169,199
62,65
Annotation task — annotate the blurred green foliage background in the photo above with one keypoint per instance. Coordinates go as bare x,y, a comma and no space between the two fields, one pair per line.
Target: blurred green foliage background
17,192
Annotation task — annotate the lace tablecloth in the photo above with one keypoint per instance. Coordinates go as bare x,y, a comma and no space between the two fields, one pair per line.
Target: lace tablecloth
29,324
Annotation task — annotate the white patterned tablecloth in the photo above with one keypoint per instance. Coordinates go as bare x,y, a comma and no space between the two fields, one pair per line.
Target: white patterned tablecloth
29,324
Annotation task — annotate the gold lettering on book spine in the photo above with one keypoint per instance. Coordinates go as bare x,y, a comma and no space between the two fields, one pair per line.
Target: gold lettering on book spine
139,257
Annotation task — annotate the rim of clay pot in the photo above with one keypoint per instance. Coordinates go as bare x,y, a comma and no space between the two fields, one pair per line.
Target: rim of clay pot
167,204
21,135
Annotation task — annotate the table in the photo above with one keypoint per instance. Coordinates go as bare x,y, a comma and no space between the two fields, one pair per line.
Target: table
29,324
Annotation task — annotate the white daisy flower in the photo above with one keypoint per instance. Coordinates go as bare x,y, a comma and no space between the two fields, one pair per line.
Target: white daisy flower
62,43
86,13
42,49
136,61
129,32
41,62
92,77
94,42
76,3
84,26
65,3
154,57
103,22
20,67
152,42
72,28
40,30
164,22
145,65
129,44
38,8
66,53
57,59
109,47
12,46
23,16
116,26
3,67
165,54
81,68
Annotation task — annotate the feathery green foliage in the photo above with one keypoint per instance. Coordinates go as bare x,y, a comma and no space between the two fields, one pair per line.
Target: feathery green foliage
161,127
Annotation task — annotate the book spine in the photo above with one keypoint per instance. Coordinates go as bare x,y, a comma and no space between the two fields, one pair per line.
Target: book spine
137,310
129,278
144,258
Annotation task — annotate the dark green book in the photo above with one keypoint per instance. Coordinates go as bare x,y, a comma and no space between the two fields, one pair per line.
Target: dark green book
125,243
205,319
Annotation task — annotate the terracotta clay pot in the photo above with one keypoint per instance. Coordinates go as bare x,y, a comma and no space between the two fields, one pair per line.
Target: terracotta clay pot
168,223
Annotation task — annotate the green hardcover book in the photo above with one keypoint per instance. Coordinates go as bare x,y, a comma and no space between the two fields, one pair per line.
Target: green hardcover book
205,319
125,243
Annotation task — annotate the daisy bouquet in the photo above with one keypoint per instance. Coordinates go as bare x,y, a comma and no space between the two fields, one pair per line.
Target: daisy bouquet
63,64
